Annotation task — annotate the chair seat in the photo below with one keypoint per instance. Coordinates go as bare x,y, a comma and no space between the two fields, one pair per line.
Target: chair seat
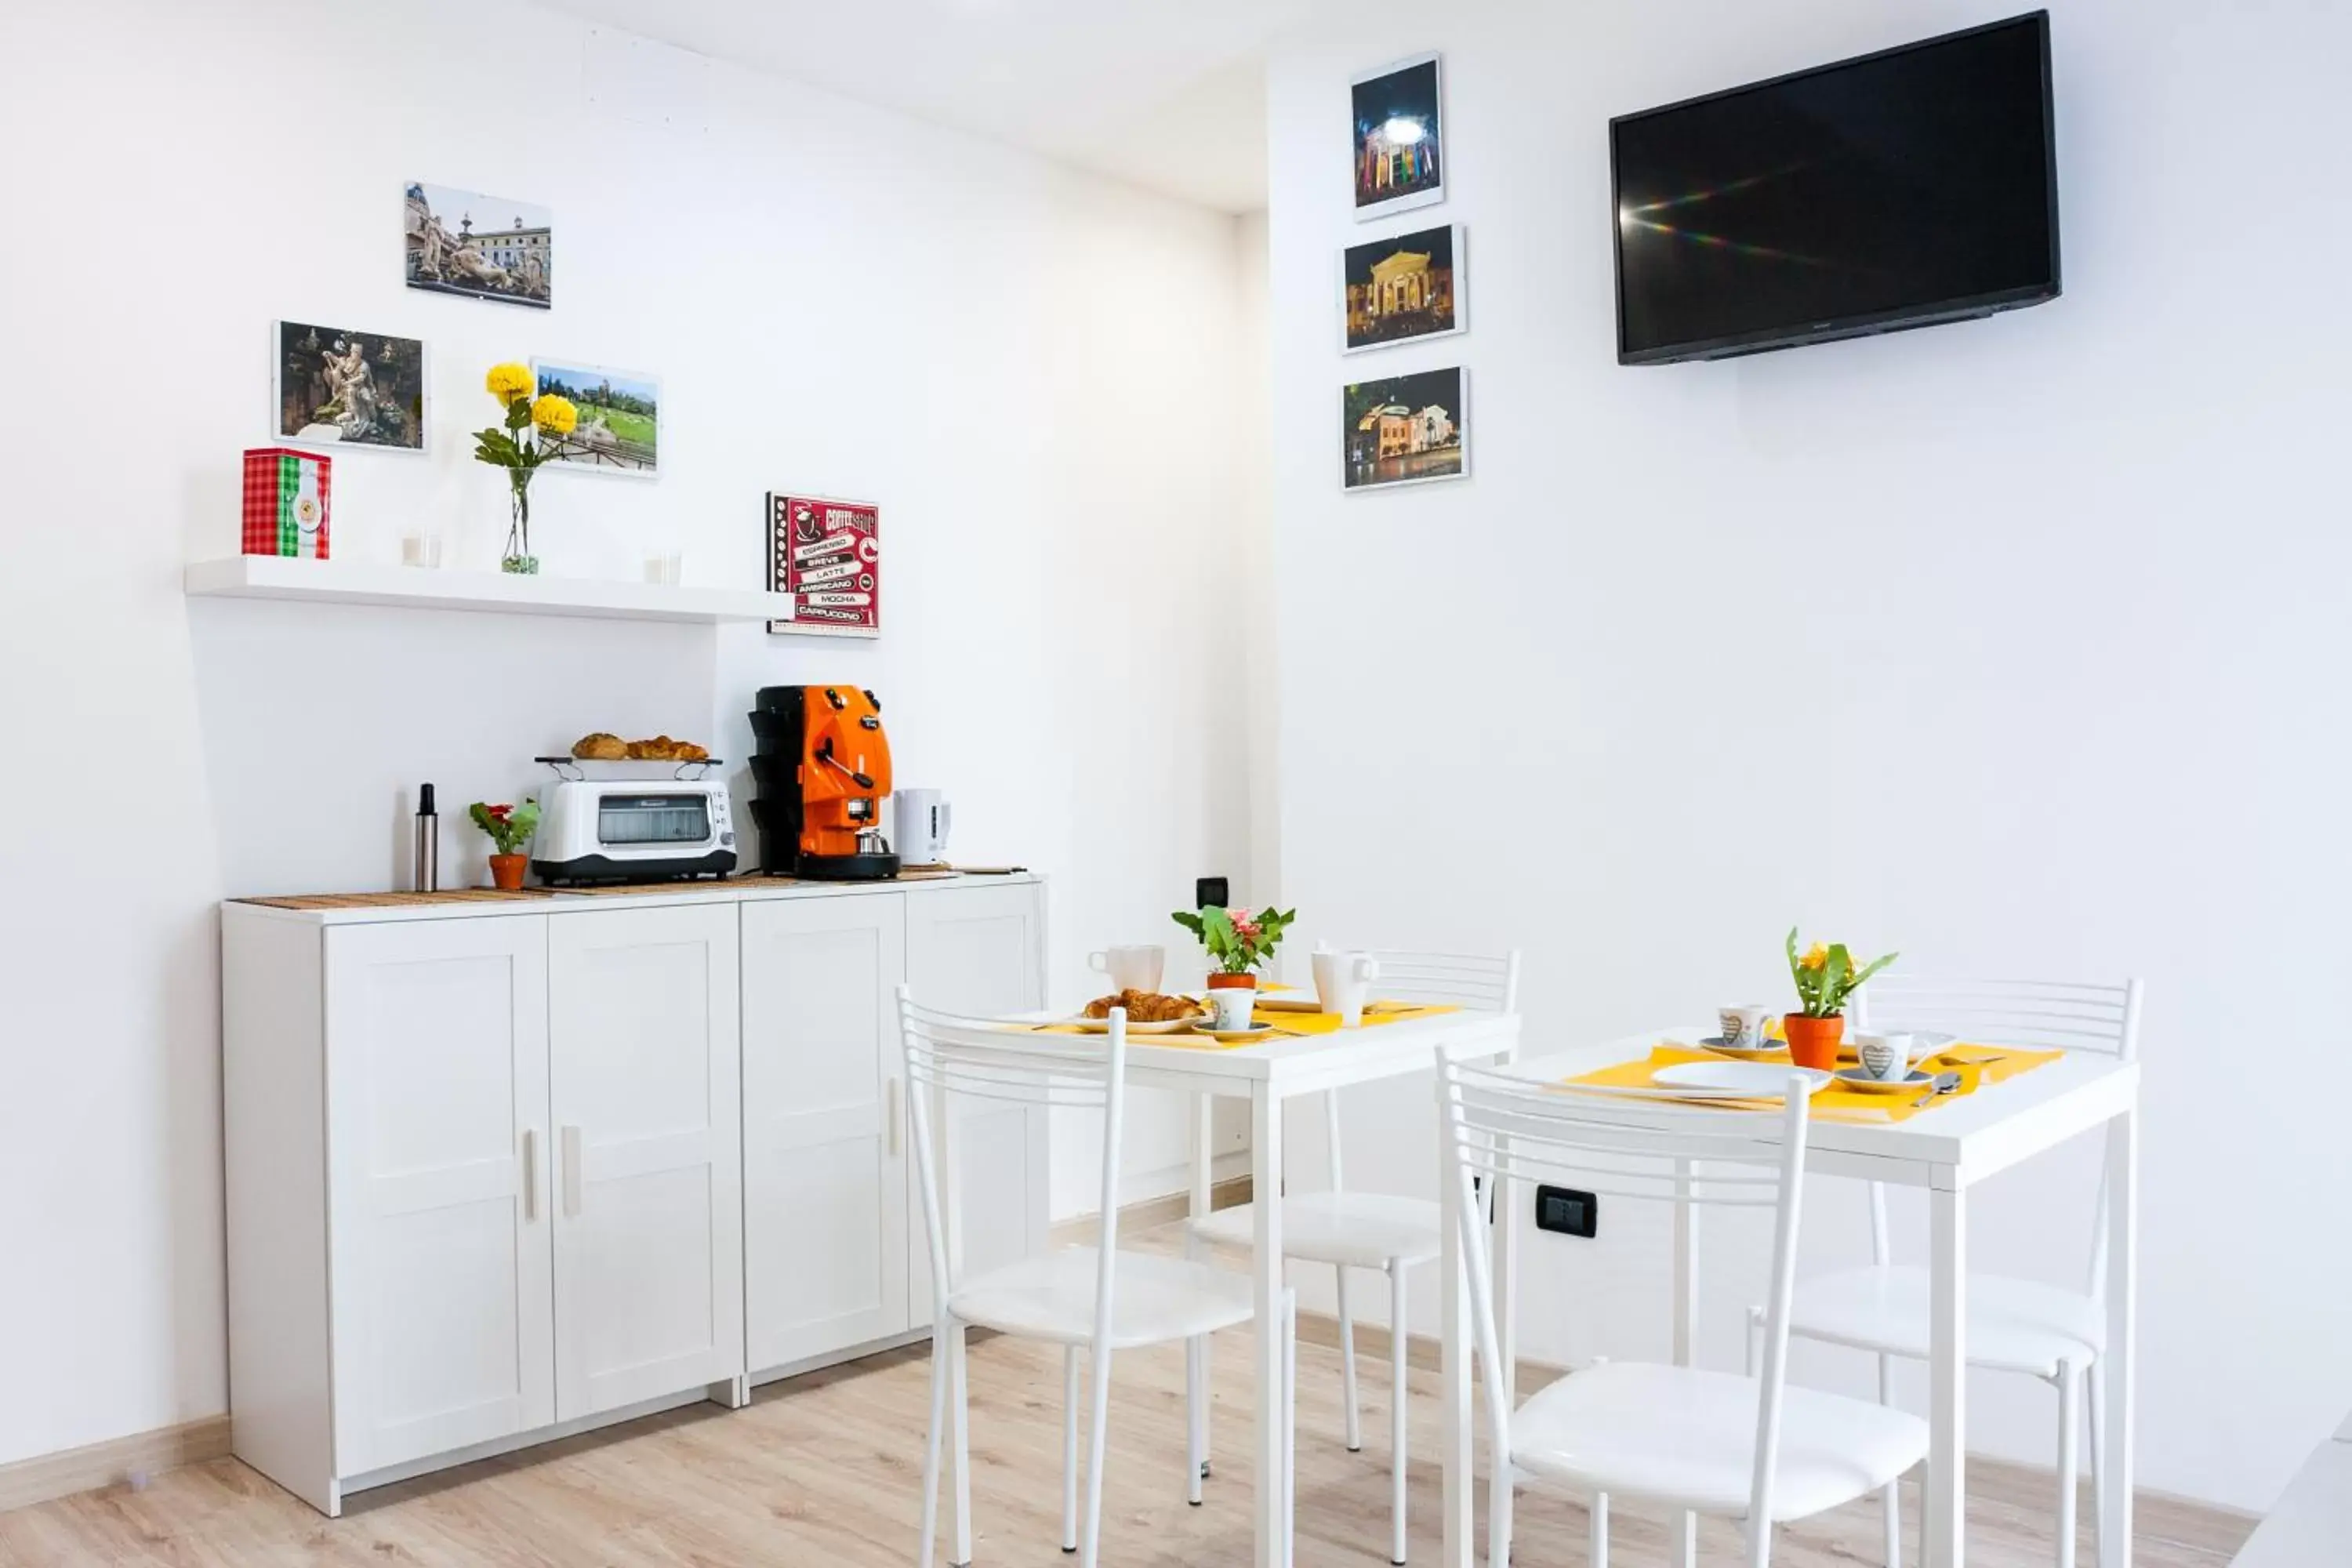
2014,1325
1360,1230
1686,1438
1153,1300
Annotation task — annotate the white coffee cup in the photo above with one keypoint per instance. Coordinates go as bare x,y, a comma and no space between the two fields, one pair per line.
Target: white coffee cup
1342,981
1234,1004
1132,968
1886,1057
1742,1027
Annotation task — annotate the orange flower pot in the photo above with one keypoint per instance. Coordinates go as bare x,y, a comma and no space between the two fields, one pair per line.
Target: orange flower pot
506,871
1813,1042
1221,981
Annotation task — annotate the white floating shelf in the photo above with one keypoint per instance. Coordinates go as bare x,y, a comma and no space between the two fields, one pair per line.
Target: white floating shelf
421,588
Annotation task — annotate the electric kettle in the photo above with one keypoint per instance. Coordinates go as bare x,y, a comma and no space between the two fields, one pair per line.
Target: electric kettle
922,823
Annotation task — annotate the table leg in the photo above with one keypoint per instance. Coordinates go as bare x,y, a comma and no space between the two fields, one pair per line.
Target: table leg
1203,1153
1683,1532
1453,1378
1944,1501
1265,1204
1507,1194
2123,1312
1504,1253
1197,1348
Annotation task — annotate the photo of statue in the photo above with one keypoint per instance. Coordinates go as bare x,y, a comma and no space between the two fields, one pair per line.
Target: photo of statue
349,388
458,242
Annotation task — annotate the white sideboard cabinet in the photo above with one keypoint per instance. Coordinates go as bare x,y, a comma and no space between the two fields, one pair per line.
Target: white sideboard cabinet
835,1252
500,1172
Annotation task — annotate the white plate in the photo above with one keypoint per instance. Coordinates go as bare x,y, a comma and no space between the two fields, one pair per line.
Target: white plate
1289,1002
1102,1025
1855,1078
1758,1080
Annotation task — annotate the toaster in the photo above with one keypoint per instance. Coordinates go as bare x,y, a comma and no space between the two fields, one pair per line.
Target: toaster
633,830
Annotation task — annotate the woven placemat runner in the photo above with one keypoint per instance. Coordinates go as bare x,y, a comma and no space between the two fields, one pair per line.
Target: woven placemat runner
641,889
398,900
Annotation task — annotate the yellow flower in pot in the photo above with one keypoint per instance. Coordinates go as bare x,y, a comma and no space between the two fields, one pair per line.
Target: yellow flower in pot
1826,974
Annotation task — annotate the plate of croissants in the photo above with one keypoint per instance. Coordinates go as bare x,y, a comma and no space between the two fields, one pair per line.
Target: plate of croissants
1148,1012
604,747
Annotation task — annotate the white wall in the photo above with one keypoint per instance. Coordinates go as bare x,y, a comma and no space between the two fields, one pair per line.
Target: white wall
835,298
2016,645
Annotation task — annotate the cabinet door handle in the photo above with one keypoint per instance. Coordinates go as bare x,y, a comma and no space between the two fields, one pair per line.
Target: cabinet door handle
529,1175
570,1173
890,1116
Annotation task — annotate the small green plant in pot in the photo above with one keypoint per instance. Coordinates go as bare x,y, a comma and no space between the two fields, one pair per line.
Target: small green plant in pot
509,828
1238,941
1826,974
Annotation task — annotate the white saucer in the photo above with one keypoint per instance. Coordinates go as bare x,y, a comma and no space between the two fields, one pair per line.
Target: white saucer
1254,1032
1754,1081
1856,1078
1714,1042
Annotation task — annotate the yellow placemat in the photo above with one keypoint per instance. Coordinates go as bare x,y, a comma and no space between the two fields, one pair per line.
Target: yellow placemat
1977,1065
1294,1024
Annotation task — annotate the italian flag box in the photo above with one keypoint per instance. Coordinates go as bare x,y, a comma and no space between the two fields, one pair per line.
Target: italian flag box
286,501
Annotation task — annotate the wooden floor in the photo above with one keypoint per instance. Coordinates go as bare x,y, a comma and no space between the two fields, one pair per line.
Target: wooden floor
826,1471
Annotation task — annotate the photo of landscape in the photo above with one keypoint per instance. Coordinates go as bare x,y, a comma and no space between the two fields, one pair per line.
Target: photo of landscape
620,417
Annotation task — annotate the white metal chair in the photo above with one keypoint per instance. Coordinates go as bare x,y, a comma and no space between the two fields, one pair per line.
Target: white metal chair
1095,1299
2013,1325
1377,1231
1681,1438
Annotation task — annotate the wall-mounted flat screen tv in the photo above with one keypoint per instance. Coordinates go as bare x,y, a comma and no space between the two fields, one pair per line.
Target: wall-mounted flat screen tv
1900,189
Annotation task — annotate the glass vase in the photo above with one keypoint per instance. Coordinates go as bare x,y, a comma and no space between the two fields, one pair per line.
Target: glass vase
519,558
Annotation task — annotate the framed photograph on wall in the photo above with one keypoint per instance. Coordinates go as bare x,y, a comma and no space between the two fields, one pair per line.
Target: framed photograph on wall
620,417
826,555
1400,135
1406,430
344,387
486,247
1403,288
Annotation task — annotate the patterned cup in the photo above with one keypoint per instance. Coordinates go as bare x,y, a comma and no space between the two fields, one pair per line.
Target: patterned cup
1885,1058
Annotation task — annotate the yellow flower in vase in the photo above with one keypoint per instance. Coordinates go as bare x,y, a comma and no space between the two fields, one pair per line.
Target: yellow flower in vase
554,415
511,383
1815,956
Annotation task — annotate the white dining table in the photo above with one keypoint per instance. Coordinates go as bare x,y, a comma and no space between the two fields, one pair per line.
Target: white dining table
1946,1150
1267,1075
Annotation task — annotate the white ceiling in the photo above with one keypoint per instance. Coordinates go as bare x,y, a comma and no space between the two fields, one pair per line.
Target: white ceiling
1169,96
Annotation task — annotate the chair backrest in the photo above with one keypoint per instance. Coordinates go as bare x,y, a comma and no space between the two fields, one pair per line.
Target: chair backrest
2048,1015
1511,1130
1488,982
950,1057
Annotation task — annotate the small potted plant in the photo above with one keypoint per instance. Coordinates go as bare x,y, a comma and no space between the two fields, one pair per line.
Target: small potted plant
1238,941
510,827
1826,974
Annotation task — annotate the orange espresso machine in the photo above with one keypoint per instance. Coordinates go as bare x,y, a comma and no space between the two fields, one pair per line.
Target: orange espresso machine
822,765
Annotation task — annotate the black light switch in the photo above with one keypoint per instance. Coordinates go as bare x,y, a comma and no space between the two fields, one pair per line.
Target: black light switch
1567,1211
1211,890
